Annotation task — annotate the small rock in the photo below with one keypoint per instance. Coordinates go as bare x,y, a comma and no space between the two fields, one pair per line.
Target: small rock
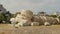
46,23
34,24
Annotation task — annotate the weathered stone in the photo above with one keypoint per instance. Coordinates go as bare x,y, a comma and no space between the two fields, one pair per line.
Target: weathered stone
27,13
23,23
52,20
42,19
46,23
24,18
58,21
12,20
34,24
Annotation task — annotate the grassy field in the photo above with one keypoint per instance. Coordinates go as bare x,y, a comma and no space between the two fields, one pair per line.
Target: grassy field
8,29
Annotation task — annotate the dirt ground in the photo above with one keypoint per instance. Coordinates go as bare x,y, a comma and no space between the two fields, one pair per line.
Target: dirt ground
8,29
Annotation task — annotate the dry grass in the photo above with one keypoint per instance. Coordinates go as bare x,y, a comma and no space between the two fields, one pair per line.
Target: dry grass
7,29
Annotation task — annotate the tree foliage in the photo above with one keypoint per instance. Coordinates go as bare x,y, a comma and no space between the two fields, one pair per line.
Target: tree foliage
59,17
2,18
53,16
5,17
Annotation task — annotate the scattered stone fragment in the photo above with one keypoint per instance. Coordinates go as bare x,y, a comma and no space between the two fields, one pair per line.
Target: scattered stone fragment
34,24
46,23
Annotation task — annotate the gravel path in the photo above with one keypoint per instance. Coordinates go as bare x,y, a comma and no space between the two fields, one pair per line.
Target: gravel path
55,29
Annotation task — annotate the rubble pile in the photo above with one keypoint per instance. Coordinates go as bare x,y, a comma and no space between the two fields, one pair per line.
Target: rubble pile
27,18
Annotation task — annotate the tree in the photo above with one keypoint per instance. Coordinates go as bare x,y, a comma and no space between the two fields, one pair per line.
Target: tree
59,17
41,13
53,16
2,18
7,16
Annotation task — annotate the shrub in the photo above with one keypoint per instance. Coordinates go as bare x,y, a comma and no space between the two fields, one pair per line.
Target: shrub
53,16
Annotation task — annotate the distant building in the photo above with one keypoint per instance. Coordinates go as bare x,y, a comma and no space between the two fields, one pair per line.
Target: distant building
42,13
2,9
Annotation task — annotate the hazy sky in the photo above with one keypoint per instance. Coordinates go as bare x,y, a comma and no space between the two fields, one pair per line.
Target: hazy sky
48,6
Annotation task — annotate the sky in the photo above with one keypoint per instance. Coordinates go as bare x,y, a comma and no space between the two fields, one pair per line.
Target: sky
36,6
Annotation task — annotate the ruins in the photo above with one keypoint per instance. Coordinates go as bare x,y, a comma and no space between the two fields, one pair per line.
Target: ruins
26,18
